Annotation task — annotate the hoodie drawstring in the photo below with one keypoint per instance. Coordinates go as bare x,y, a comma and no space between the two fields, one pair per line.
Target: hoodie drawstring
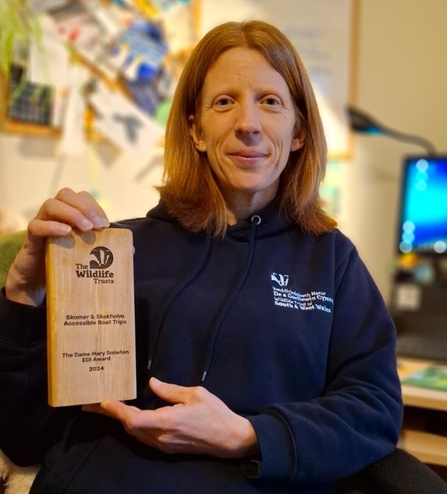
255,221
173,296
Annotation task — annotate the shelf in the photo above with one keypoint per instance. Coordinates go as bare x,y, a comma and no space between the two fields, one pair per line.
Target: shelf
424,398
429,448
8,125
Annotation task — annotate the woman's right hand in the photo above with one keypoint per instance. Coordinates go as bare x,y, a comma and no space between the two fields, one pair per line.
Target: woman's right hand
56,218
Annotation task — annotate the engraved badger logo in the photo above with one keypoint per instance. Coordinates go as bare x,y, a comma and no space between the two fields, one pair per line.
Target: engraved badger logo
103,258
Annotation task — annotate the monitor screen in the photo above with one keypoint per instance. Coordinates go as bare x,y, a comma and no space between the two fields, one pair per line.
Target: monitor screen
423,207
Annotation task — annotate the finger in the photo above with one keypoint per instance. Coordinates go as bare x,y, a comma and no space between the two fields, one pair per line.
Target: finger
93,408
172,393
79,210
132,418
87,204
38,230
97,408
120,411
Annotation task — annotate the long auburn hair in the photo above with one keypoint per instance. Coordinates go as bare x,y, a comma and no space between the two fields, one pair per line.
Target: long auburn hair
189,191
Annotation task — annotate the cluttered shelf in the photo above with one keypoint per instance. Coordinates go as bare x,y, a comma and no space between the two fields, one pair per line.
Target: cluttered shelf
30,112
8,124
97,70
31,125
424,392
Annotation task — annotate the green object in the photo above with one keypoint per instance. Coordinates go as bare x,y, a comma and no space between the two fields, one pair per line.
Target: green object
18,25
9,247
434,376
162,112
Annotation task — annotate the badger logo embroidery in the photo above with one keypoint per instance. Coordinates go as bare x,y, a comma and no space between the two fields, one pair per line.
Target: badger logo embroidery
281,279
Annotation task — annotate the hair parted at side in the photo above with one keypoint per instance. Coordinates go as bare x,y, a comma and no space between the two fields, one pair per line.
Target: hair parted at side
189,191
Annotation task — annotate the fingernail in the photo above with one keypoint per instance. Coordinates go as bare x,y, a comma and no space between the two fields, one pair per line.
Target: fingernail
100,222
64,229
155,381
86,224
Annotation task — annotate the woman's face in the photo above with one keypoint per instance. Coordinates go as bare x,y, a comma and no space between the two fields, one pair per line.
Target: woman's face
246,126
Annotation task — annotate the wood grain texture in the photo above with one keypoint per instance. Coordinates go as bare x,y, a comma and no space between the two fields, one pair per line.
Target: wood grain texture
91,317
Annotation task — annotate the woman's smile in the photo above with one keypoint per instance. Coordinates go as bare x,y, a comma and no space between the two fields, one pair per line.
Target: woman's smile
247,158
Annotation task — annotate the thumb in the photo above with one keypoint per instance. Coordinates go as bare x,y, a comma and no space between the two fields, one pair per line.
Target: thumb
168,392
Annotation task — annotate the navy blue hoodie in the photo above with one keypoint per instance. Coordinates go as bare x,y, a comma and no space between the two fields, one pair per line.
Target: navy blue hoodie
287,328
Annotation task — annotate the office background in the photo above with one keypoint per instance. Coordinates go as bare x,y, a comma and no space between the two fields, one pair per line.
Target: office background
400,72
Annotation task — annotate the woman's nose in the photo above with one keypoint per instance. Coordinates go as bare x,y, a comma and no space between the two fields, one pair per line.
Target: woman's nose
248,119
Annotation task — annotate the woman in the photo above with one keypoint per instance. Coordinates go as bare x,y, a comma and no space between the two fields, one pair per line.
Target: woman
268,349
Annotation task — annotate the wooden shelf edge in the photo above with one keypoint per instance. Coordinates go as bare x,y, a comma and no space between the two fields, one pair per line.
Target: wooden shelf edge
424,398
428,448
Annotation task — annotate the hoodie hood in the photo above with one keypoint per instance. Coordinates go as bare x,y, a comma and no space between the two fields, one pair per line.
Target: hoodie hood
271,222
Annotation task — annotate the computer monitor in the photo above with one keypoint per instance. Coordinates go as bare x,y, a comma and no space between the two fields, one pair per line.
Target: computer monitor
422,227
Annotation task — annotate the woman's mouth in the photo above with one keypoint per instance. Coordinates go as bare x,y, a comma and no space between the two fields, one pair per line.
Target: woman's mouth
247,158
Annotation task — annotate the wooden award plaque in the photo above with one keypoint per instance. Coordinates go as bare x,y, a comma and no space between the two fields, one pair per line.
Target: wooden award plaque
90,317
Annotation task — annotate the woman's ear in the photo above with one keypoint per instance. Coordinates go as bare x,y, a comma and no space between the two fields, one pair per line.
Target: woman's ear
298,139
195,133
297,143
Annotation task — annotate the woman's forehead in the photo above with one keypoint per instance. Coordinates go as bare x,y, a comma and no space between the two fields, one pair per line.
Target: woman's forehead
243,66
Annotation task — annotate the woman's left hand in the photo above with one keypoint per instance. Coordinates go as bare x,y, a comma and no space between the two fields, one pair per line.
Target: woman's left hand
197,422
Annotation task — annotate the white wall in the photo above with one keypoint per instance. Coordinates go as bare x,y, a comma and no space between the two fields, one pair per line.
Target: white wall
401,74
30,173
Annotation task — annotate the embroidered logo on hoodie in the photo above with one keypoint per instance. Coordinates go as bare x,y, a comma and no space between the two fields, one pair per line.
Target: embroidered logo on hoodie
284,297
281,279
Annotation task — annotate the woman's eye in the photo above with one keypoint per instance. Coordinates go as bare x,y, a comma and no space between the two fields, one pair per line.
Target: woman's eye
222,102
272,101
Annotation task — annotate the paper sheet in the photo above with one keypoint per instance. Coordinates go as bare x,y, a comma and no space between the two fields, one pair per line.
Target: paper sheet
124,124
73,140
49,60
